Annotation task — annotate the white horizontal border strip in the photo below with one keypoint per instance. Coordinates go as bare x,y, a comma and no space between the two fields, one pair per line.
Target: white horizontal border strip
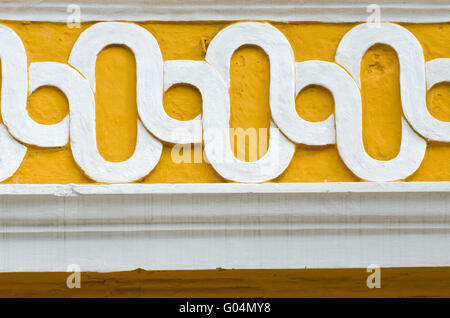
200,10
200,188
229,230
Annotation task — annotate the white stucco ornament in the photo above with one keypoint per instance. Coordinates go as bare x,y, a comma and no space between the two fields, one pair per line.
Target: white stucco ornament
349,54
212,78
183,72
412,72
14,96
312,73
11,154
148,93
149,64
216,119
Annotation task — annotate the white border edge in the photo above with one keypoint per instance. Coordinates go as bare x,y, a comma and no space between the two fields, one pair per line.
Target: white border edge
197,10
218,188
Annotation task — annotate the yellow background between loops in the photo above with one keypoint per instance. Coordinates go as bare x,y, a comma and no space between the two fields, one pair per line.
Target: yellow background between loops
249,93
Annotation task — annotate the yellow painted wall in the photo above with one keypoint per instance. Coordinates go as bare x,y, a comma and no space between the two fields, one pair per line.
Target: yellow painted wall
117,112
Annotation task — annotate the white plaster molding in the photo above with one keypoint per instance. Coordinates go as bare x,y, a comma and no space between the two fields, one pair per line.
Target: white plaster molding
11,154
15,92
15,86
182,131
317,73
438,71
416,11
218,188
239,229
56,135
149,65
358,40
83,141
282,67
350,144
149,90
216,115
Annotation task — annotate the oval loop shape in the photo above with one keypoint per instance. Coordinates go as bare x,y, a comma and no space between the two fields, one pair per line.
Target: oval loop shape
282,66
349,118
149,64
149,96
216,117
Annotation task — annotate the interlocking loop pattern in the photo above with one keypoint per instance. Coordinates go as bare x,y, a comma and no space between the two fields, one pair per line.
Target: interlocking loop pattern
212,79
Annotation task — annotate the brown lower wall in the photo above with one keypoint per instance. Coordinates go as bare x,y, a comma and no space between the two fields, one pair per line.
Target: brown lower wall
395,282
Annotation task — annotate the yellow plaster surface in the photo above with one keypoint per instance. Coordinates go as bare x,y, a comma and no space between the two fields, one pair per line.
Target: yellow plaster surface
116,109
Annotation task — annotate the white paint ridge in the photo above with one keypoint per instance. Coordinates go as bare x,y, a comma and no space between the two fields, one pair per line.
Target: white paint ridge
204,188
416,11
